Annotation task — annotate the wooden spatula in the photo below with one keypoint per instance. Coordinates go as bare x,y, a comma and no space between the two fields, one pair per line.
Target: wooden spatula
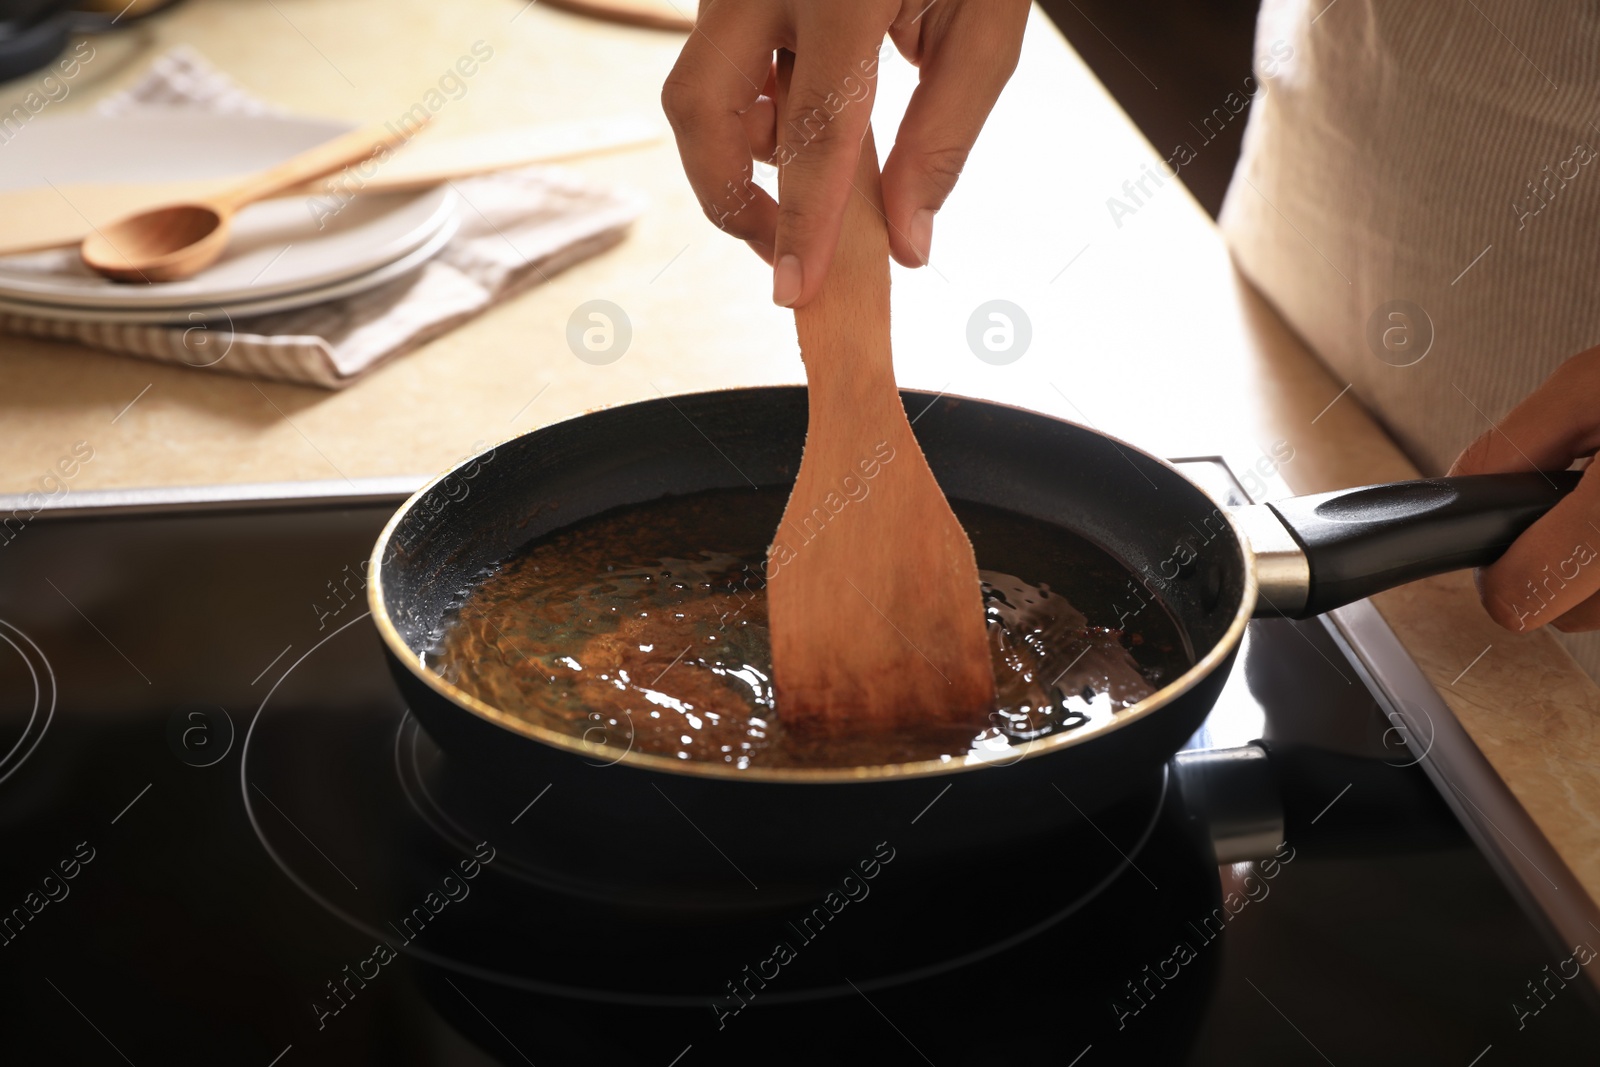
876,611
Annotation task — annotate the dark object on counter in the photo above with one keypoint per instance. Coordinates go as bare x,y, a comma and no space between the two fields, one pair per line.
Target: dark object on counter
32,33
797,828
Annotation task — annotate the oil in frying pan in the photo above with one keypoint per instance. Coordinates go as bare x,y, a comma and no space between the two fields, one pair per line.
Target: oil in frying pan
614,630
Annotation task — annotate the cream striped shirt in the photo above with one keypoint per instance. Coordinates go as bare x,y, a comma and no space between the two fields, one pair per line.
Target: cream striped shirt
1419,196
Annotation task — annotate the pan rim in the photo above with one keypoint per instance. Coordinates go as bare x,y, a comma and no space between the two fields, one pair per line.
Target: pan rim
1201,669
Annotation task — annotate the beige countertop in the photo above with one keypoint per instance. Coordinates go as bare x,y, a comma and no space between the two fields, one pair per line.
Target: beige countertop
1142,329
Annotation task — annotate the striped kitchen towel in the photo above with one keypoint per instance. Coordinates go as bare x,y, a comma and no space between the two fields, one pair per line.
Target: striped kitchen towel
517,228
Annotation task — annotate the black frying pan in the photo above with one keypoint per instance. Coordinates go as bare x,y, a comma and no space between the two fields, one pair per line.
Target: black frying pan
795,832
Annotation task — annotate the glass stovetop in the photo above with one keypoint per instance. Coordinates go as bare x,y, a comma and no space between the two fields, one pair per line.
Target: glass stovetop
226,842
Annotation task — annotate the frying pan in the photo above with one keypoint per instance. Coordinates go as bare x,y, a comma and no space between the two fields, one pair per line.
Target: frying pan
653,831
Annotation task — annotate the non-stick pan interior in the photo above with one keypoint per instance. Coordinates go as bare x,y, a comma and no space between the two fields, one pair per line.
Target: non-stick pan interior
1172,537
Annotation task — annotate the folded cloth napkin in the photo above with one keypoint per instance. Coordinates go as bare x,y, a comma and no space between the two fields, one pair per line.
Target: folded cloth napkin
517,228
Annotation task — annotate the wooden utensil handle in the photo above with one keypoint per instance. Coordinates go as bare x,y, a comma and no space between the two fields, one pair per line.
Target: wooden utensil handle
432,160
844,329
354,147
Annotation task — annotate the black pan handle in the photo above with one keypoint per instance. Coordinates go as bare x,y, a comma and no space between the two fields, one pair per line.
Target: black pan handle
1363,541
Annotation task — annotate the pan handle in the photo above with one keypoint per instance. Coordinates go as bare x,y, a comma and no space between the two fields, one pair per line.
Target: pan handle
1317,553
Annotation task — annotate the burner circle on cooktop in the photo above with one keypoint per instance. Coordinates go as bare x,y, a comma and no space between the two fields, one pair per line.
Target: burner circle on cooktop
368,817
27,698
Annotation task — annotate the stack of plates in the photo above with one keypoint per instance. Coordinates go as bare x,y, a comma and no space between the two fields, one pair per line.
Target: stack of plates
283,254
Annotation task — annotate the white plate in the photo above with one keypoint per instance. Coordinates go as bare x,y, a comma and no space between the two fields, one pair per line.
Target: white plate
237,311
276,247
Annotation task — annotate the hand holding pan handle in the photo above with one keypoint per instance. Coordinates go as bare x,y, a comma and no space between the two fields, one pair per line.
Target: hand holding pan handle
1317,553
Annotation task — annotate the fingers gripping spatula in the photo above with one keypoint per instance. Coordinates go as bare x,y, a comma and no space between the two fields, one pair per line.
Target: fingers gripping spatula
876,611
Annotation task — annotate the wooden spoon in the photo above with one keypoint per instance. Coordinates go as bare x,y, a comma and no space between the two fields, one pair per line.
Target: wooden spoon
56,216
876,611
181,240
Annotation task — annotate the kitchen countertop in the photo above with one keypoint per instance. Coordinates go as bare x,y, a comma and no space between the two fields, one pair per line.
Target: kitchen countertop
1140,327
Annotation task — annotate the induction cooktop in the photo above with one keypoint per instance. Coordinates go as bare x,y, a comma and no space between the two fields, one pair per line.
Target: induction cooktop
229,842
